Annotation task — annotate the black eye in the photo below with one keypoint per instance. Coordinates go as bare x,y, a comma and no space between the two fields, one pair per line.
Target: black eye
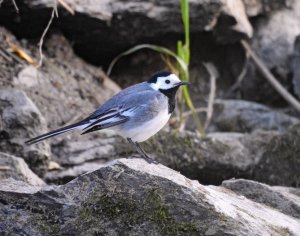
167,81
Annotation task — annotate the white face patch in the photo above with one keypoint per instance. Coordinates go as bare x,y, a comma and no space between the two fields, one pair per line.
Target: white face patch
166,82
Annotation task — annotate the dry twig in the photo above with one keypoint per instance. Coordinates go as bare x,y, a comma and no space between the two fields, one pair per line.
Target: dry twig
210,104
12,55
20,52
66,6
271,79
240,78
15,5
54,13
198,110
213,74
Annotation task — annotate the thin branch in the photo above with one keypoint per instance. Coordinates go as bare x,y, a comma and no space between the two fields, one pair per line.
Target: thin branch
15,5
212,70
16,58
54,12
66,6
12,55
271,79
19,52
240,78
198,110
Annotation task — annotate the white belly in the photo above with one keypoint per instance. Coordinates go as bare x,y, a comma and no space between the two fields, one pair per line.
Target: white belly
148,129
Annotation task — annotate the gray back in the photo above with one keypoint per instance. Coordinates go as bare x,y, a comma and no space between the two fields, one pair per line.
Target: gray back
139,95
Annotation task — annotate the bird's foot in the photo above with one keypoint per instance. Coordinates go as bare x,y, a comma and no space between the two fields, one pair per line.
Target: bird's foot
149,160
146,158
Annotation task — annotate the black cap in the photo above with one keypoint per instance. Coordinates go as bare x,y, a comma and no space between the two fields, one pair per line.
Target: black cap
154,77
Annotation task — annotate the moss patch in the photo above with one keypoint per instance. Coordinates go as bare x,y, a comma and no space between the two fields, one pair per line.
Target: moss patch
45,221
161,217
128,214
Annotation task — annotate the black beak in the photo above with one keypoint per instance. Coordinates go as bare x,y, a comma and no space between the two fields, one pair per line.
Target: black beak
183,83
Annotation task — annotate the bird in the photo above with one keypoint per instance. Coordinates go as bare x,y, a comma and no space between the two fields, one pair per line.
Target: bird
135,113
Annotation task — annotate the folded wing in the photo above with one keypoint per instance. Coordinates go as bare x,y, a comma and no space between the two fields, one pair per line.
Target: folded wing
109,118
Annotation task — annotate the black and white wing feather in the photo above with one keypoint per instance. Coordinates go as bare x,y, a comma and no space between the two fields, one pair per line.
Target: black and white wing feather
109,118
113,118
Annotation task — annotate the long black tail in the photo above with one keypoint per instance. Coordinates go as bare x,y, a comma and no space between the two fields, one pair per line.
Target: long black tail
56,132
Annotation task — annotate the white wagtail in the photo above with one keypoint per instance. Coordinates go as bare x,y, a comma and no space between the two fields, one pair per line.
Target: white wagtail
136,113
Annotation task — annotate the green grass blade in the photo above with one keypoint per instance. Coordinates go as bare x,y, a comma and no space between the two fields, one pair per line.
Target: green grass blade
147,46
186,25
190,105
185,19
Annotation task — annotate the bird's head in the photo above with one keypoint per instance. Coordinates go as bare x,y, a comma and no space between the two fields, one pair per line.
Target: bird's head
163,81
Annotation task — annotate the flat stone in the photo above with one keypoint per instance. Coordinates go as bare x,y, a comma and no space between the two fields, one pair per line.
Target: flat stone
20,119
133,196
16,168
284,199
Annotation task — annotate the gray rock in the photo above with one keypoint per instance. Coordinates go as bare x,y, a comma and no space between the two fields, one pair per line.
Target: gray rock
97,146
295,62
145,22
268,157
210,160
67,173
280,198
20,119
244,116
273,41
279,165
64,90
78,155
232,23
237,10
133,197
72,87
265,156
258,7
270,36
16,168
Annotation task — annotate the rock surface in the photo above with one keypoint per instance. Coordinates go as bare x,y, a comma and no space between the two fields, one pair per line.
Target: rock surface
78,156
280,162
286,200
133,22
295,61
269,35
268,157
63,90
274,44
20,119
258,7
213,159
133,197
232,23
72,87
15,168
243,116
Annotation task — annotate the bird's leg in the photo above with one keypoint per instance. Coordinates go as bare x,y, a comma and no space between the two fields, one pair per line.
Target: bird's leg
141,151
